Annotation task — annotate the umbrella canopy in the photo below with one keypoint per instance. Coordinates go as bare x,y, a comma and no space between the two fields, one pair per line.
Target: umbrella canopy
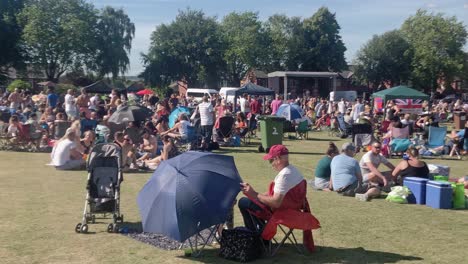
145,92
98,87
130,113
175,114
48,83
289,111
189,193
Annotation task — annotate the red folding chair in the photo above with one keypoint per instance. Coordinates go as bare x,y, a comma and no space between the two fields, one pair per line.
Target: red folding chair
294,213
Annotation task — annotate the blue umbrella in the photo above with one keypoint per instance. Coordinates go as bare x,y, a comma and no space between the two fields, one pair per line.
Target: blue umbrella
175,114
189,193
289,111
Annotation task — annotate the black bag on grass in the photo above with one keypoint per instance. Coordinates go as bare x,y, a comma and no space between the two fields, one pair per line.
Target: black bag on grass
240,244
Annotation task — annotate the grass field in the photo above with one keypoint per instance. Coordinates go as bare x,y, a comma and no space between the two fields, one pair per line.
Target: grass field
40,207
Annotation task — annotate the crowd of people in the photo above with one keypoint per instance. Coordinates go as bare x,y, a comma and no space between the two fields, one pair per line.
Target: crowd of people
50,117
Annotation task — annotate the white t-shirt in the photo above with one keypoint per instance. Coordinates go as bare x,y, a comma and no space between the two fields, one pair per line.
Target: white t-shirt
342,107
93,102
376,160
70,103
61,153
286,179
206,113
244,105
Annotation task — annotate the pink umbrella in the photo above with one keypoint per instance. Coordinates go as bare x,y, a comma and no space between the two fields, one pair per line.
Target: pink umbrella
145,92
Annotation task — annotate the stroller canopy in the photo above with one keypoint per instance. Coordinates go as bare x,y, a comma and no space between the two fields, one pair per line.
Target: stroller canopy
104,152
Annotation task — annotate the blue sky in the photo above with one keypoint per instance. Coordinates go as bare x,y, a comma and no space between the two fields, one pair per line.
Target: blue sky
359,19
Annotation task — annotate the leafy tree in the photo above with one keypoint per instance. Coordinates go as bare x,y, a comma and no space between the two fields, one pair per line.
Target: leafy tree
384,58
438,47
245,44
18,84
114,35
286,36
190,48
324,47
58,34
10,36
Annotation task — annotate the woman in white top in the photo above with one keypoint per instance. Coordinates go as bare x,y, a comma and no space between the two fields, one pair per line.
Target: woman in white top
70,106
181,127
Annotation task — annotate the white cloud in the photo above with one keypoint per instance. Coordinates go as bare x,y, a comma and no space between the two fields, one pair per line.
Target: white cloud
431,5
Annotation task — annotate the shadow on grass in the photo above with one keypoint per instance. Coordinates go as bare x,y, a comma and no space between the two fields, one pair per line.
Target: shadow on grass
305,153
136,227
288,254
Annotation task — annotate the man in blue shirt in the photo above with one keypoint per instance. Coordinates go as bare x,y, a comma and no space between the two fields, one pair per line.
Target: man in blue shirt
346,177
52,98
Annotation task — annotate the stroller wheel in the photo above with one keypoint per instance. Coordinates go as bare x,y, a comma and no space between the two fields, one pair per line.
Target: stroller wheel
78,228
110,228
84,228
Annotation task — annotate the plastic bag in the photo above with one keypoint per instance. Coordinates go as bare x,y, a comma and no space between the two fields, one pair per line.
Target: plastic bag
398,195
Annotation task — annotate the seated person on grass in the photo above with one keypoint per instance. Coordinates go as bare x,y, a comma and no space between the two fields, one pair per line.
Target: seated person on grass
149,146
128,150
369,166
346,177
323,169
410,166
169,151
180,129
65,154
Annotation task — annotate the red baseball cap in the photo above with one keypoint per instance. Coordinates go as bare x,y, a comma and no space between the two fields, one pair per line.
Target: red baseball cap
276,151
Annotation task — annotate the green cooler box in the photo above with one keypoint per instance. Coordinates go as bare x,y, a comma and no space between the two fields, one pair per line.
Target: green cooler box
271,128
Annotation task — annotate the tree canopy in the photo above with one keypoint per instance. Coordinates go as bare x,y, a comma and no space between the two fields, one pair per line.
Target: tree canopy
385,59
179,50
324,49
56,34
11,52
438,47
190,48
114,36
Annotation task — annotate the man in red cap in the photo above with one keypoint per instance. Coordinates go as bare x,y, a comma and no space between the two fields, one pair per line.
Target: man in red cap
287,178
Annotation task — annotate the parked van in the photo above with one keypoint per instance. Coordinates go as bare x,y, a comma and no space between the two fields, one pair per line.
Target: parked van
228,93
347,95
198,93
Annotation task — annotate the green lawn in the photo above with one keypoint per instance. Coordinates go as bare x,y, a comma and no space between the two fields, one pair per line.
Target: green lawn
41,206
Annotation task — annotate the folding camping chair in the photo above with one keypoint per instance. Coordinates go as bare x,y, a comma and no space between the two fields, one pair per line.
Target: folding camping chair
226,125
436,137
400,141
302,129
288,220
362,135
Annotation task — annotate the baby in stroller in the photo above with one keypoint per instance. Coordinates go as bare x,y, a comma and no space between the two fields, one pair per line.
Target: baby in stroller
103,187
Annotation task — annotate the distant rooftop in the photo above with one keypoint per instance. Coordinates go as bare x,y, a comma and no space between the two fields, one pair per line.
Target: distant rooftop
301,74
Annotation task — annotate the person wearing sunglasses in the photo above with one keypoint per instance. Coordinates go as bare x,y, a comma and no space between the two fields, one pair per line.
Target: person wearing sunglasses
285,185
370,163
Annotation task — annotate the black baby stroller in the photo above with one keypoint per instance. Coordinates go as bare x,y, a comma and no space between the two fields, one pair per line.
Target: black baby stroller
103,187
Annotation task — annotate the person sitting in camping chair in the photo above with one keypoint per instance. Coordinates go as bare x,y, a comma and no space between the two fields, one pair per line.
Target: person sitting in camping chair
285,199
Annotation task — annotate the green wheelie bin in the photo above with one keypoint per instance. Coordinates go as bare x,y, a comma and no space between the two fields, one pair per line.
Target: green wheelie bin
271,128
